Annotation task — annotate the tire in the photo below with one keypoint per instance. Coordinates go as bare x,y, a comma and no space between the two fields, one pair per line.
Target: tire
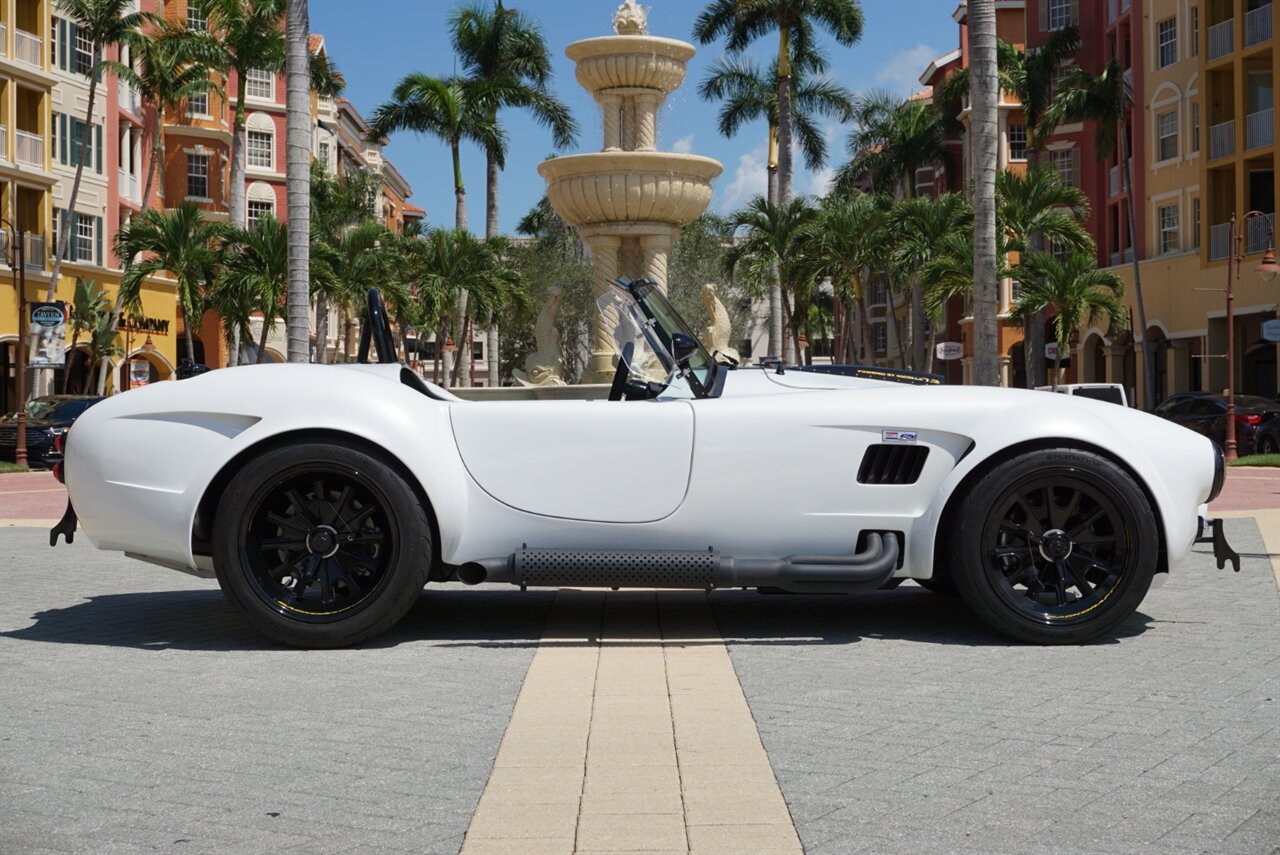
939,583
1055,546
321,572
1268,445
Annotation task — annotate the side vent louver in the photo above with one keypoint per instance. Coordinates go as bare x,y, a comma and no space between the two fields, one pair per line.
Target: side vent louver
892,464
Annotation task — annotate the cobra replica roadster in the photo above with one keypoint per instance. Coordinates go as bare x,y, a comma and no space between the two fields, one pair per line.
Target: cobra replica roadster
323,498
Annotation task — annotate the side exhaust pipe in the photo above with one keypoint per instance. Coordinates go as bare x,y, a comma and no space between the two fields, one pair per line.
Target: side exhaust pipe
705,570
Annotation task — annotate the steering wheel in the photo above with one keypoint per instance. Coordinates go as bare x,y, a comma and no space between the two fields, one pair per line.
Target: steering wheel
377,327
622,373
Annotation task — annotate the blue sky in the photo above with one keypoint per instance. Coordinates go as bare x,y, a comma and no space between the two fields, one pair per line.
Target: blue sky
376,42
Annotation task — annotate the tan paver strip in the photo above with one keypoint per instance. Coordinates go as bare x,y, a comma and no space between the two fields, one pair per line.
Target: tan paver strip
631,734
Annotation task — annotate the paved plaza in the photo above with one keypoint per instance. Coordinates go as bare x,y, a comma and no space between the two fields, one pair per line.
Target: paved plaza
138,714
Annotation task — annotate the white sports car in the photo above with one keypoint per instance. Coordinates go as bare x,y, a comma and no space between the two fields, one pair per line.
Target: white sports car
325,497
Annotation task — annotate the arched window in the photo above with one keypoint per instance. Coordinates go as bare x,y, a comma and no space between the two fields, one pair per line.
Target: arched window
260,142
260,201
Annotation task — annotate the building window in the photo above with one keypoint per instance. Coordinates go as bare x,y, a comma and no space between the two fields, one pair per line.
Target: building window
257,210
198,176
1017,142
1059,14
1168,217
1167,42
1015,292
83,237
82,57
323,156
196,18
258,149
1057,81
198,105
1195,223
1195,30
1167,134
1195,126
260,84
882,339
1065,163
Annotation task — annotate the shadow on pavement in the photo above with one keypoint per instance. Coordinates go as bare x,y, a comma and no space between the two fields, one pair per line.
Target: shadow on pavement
456,617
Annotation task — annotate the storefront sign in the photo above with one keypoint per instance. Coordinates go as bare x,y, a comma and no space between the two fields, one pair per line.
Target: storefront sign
948,350
1051,353
138,324
49,326
1271,329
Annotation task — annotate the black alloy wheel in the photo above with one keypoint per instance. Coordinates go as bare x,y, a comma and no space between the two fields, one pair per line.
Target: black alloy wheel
321,544
1056,546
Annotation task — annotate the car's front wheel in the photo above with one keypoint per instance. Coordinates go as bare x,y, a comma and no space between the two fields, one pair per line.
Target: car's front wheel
1055,546
321,544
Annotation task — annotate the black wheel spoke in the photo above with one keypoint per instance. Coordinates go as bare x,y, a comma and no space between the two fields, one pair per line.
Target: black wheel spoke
286,543
1088,521
1080,578
339,507
1032,522
359,558
1011,551
292,522
1060,514
300,507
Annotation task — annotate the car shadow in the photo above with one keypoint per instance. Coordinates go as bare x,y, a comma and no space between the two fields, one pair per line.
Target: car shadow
456,617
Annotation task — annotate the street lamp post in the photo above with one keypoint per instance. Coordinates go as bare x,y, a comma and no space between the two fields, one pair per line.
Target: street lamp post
19,265
1268,269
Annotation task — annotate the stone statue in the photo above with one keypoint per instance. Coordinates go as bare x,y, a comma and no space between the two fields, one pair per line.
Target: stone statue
716,336
545,366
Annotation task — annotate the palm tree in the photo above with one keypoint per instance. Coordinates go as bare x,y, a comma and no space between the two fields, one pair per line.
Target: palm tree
102,346
749,94
244,36
920,225
847,243
88,306
1079,293
504,44
103,23
357,256
337,205
774,236
893,138
1038,203
180,242
255,277
743,21
982,41
949,272
297,32
1107,99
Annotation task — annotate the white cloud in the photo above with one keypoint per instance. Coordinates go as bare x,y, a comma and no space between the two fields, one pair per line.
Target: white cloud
684,145
750,179
820,181
901,74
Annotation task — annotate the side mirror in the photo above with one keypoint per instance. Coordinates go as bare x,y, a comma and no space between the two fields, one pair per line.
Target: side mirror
682,347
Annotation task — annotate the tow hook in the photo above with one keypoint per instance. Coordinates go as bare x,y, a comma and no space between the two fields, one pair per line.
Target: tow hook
1222,550
67,526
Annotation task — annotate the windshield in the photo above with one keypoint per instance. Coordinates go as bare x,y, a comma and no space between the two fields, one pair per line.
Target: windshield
648,322
58,409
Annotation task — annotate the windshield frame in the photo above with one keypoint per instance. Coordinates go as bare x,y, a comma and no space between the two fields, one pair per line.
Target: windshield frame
701,369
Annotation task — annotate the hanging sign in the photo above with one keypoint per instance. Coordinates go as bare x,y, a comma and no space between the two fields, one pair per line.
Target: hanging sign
948,350
1271,330
49,327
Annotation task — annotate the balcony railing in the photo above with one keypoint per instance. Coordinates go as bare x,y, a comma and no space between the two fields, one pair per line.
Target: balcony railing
30,149
4,44
1257,26
1222,140
33,257
1219,241
26,47
1257,235
1124,5
4,143
1115,181
129,186
1112,8
1222,39
1258,128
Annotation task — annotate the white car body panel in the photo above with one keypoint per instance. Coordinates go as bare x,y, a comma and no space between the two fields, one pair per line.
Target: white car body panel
665,474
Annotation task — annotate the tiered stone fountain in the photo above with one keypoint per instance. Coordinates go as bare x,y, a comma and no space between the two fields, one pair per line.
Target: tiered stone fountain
628,201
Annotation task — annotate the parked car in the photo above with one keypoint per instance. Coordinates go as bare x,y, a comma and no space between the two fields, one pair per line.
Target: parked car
1207,414
323,498
1176,398
1110,392
47,418
1266,440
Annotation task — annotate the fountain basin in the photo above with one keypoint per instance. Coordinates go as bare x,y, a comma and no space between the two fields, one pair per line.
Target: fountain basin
612,62
629,186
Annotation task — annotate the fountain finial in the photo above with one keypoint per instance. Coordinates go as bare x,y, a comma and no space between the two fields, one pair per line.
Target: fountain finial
630,19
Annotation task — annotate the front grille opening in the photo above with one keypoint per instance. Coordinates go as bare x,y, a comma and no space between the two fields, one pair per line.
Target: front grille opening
888,463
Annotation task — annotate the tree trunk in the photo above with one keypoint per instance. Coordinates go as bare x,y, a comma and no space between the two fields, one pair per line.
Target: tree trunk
1033,349
897,333
985,89
784,114
298,179
793,339
1148,368
1057,366
262,341
71,352
340,340
157,157
774,343
191,344
322,329
237,155
491,229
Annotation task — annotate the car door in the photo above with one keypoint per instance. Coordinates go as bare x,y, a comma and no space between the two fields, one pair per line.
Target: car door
602,461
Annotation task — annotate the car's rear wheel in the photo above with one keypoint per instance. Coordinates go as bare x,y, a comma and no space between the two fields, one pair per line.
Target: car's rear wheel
1268,445
1055,546
321,544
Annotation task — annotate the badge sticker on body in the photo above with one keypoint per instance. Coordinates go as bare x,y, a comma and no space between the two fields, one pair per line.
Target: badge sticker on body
898,436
